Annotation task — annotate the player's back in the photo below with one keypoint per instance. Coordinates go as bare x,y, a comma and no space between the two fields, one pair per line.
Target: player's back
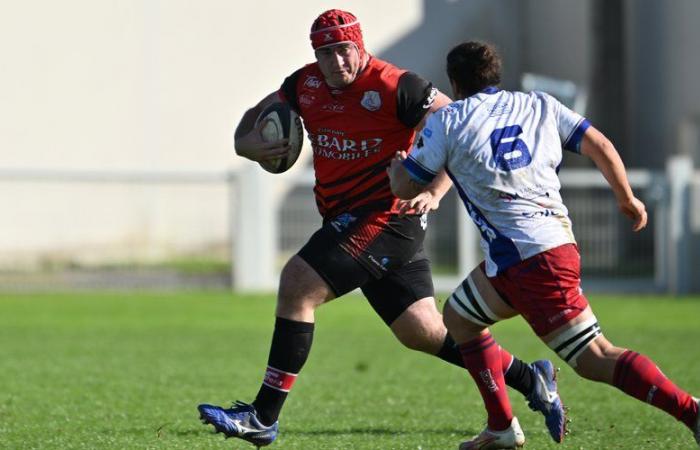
503,154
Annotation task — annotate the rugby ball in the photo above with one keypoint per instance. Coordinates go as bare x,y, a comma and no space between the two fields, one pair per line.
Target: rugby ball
280,121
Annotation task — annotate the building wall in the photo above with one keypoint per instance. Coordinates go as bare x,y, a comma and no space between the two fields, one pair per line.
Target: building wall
140,85
159,85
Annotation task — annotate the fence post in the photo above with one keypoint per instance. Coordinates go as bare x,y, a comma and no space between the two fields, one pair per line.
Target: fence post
679,170
254,238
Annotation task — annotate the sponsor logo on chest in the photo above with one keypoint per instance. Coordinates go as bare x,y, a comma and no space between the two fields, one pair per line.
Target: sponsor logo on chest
330,145
333,107
312,82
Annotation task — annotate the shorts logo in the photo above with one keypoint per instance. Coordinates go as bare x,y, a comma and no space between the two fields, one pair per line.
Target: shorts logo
343,221
371,101
312,82
424,222
381,264
427,132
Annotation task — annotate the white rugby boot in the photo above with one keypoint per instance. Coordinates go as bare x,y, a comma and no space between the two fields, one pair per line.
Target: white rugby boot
510,438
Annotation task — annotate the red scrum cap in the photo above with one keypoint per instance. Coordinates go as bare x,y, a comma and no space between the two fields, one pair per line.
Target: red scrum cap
336,26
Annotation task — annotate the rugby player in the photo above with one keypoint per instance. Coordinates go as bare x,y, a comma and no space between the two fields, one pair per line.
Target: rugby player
502,151
358,110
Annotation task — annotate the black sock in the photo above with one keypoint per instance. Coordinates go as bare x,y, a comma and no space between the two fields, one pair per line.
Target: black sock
450,352
291,343
518,376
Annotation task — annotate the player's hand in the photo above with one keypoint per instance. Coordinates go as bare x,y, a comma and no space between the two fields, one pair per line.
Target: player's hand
635,210
420,204
253,147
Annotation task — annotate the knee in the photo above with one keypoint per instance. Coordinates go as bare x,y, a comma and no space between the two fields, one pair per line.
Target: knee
598,361
301,289
420,328
461,329
422,339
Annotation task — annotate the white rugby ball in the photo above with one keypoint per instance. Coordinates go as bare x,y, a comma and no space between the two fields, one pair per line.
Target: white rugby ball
280,121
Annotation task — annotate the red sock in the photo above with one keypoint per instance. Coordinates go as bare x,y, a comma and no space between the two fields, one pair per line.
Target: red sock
482,358
637,376
506,359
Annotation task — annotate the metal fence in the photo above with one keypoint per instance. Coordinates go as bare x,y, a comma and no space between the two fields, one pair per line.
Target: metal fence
271,217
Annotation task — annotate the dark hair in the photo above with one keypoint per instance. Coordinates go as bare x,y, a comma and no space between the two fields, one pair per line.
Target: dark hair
474,66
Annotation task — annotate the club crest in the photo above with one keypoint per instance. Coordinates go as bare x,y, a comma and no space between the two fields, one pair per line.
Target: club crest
371,101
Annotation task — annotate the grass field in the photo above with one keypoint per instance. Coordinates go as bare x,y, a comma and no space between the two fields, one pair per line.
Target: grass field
126,371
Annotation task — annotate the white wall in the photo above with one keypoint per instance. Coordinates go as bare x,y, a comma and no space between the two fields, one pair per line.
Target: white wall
141,85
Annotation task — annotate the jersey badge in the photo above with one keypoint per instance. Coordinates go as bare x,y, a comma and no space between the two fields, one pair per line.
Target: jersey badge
371,101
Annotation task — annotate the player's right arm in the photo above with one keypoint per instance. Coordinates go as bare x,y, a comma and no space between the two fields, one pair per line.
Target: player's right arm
599,148
248,140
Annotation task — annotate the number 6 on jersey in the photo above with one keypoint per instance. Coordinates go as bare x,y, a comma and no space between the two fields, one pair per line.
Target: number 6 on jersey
509,152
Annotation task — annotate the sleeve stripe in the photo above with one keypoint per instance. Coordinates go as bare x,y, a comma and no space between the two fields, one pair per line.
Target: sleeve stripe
573,143
418,172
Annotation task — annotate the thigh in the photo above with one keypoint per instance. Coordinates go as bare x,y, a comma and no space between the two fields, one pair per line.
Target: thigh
477,301
333,263
545,289
392,294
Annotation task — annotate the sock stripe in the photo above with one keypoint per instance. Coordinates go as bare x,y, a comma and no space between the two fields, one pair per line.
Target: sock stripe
279,379
477,344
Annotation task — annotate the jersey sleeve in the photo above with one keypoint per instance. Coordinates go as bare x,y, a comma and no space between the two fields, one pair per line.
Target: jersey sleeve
288,90
570,125
429,154
414,97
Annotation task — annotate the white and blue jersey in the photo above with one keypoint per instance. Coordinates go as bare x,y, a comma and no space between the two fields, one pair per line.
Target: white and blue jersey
502,151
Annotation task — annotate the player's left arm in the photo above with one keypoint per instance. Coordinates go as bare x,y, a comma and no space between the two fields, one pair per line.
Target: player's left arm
603,153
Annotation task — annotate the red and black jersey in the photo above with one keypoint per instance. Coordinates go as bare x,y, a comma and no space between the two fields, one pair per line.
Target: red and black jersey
355,131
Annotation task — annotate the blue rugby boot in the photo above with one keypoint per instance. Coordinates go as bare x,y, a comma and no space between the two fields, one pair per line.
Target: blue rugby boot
240,421
545,399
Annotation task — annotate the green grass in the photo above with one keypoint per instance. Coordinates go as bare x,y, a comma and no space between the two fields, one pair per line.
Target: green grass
125,371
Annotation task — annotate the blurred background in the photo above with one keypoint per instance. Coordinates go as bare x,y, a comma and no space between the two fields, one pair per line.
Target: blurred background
117,168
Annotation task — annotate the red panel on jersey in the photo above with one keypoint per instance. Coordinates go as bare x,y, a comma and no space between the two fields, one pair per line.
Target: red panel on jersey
354,133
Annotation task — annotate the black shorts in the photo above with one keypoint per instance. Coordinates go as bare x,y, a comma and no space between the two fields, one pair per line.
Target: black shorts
381,254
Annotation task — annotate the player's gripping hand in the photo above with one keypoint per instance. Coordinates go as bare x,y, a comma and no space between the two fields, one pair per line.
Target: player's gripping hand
253,147
422,203
635,210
